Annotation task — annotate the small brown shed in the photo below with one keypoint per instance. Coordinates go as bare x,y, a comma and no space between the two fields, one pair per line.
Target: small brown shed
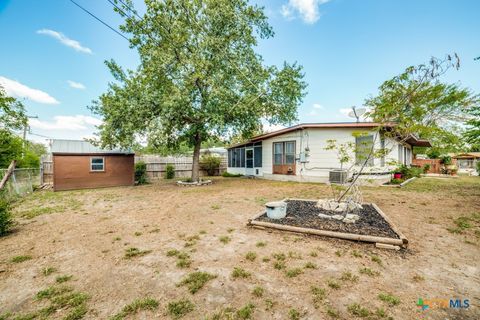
79,165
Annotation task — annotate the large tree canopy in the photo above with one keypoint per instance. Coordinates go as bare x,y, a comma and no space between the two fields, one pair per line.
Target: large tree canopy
199,76
419,103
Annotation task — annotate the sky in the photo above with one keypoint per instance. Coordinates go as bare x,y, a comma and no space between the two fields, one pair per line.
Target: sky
52,53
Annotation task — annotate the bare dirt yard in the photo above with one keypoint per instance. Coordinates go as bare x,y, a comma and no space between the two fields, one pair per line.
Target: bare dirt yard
161,251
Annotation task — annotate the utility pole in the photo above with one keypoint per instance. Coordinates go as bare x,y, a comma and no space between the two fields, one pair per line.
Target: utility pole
25,128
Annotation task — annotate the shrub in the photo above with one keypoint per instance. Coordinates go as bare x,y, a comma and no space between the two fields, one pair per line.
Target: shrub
141,172
6,220
478,167
446,160
226,174
169,171
433,154
396,181
426,168
210,164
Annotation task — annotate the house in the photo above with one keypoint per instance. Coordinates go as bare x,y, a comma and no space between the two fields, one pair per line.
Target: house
79,165
466,162
299,153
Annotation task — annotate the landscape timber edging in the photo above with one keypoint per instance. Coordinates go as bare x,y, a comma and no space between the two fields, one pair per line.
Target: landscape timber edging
403,242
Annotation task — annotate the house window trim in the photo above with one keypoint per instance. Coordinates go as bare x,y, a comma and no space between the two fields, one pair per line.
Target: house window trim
284,154
97,170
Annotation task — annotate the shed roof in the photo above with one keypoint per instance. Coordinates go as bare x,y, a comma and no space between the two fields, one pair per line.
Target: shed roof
81,147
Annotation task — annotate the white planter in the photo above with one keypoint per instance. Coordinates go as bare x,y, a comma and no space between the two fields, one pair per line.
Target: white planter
276,210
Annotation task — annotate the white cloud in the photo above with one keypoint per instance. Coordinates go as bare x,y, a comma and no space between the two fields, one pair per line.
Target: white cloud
71,123
307,9
65,40
345,111
16,89
76,85
318,106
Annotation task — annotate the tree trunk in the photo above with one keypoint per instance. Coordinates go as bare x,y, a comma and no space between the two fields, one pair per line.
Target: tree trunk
196,158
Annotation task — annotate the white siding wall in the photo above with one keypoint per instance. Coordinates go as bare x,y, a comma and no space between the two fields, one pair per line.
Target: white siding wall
319,160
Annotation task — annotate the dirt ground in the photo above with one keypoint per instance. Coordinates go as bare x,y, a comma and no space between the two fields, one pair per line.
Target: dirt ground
88,235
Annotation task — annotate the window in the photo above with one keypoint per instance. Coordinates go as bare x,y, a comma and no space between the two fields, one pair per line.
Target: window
382,147
278,153
284,153
97,164
363,147
257,156
400,153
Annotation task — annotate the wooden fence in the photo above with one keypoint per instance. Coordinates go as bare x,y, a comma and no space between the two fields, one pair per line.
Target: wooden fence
183,166
435,165
155,166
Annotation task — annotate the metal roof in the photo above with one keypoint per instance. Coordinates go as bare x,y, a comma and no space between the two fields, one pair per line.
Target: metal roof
82,147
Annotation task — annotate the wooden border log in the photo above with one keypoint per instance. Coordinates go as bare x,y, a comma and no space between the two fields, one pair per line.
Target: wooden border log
392,225
334,234
341,235
406,182
10,169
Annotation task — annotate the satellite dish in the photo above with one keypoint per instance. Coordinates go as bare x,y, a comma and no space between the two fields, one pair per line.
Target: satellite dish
356,113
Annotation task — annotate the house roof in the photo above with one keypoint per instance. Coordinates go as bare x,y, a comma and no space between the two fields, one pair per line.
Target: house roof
63,146
464,155
414,141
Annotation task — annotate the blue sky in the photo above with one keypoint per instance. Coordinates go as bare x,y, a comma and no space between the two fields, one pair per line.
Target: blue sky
53,53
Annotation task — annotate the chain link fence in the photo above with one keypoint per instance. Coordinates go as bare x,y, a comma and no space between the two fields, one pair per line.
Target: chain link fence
21,182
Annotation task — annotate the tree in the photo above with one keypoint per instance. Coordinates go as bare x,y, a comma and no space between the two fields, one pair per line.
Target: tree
12,112
417,102
12,147
199,76
472,133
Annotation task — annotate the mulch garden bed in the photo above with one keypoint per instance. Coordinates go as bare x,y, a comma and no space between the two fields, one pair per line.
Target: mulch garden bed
304,214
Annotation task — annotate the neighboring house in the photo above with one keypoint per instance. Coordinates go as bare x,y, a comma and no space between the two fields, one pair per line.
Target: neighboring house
466,162
79,165
298,153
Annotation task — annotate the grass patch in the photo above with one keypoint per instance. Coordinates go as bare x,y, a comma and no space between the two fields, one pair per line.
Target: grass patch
269,304
338,253
348,276
246,312
310,265
137,234
294,255
215,206
19,259
331,312
224,239
294,272
172,253
196,280
356,254
294,314
357,310
251,256
313,254
135,307
418,278
183,260
369,272
38,211
319,294
334,284
258,291
265,259
279,265
135,252
261,244
240,273
48,271
178,309
62,279
389,298
279,256
377,259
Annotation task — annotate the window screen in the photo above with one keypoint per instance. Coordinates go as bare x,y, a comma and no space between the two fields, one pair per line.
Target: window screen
363,146
97,164
278,153
257,156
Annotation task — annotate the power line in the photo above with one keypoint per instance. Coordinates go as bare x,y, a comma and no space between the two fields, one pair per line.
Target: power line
100,20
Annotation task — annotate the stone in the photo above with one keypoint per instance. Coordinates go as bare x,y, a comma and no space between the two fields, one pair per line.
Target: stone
325,216
337,217
351,218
